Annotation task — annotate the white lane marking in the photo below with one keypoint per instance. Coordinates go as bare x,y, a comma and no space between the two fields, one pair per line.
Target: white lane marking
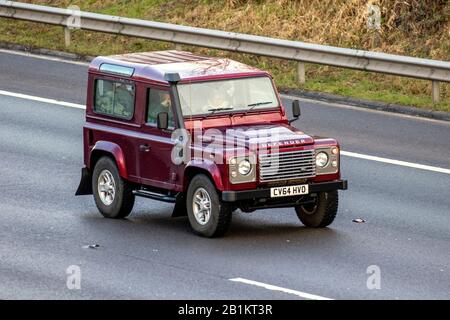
395,162
356,108
344,153
325,103
45,100
281,289
43,57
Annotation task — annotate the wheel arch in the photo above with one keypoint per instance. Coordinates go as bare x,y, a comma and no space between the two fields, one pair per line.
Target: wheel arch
112,150
208,169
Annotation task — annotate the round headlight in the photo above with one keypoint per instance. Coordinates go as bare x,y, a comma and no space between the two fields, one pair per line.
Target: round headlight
244,167
321,159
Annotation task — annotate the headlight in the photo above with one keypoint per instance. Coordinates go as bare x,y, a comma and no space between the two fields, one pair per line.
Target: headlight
241,169
244,167
321,159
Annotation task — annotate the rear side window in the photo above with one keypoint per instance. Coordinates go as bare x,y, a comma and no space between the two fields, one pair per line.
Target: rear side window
114,99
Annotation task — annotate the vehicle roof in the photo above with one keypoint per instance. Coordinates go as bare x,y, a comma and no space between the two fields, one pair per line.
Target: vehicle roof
154,65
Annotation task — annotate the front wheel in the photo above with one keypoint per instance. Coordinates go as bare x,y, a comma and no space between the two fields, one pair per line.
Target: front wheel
112,194
208,215
321,212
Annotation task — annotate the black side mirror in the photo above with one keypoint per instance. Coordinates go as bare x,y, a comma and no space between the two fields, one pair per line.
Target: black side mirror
295,110
162,120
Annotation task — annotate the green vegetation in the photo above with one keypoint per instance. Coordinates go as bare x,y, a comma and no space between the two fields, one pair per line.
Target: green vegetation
409,27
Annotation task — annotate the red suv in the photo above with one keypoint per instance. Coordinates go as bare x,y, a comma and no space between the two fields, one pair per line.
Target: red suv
207,134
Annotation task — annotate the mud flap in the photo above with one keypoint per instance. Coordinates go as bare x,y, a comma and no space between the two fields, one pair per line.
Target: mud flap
180,207
85,186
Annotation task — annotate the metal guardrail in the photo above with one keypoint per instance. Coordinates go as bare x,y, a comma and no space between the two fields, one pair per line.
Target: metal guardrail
433,70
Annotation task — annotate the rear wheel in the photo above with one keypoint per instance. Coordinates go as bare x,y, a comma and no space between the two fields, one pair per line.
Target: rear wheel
321,212
208,215
112,194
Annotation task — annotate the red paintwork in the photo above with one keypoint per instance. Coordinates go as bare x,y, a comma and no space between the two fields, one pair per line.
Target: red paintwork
213,169
116,151
121,138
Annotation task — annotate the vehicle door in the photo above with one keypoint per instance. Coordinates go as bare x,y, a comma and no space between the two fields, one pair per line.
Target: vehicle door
155,147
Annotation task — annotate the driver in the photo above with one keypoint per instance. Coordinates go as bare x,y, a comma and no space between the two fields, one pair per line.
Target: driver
217,99
162,104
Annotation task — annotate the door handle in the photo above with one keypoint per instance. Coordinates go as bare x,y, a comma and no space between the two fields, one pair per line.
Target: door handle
144,148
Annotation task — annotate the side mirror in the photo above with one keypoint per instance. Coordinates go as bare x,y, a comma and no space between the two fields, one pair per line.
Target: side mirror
295,110
162,120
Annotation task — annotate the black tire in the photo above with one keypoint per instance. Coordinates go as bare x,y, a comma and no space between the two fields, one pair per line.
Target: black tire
221,213
321,213
123,201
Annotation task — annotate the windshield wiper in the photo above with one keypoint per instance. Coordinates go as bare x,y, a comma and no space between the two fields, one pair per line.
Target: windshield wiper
213,110
253,105
258,104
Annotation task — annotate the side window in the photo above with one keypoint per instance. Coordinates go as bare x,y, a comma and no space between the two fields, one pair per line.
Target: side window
159,101
114,98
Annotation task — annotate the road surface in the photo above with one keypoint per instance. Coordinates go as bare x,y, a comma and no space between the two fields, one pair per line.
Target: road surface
45,229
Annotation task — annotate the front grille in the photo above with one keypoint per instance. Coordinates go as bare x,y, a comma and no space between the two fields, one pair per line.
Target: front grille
287,165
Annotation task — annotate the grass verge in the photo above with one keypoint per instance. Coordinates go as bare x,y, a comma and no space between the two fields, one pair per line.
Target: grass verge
421,28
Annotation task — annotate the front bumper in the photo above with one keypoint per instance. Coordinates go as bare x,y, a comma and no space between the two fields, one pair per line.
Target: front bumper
233,196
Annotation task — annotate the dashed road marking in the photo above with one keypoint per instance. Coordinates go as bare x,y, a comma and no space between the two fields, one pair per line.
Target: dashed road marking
300,294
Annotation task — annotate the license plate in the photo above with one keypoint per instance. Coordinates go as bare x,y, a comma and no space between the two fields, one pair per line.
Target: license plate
289,191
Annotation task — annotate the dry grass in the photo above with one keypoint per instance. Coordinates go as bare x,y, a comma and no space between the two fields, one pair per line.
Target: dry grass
409,27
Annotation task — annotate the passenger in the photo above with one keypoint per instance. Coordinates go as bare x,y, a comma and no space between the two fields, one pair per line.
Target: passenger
160,103
124,100
105,102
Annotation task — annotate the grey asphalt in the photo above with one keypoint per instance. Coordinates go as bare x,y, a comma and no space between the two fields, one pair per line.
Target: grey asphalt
150,255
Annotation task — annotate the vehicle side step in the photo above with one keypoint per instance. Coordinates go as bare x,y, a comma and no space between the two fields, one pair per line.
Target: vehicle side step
155,196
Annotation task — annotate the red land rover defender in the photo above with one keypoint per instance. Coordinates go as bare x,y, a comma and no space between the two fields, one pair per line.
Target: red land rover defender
207,134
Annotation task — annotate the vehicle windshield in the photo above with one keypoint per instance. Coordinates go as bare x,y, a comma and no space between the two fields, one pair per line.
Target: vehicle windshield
205,98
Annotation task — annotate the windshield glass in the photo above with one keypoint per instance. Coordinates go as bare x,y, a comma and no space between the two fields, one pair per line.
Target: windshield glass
203,98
